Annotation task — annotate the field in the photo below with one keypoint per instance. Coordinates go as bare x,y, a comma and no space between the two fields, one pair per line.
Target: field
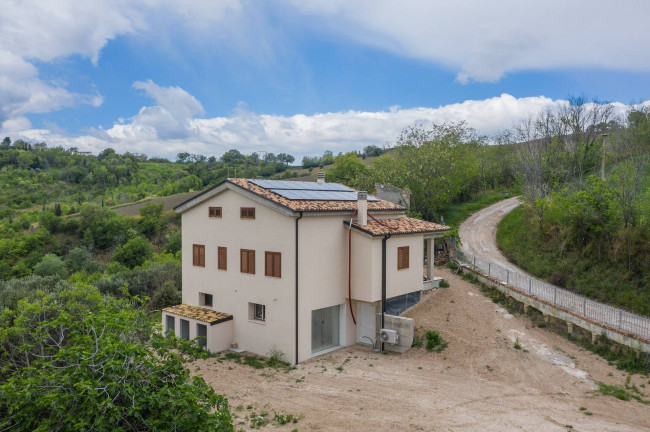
481,381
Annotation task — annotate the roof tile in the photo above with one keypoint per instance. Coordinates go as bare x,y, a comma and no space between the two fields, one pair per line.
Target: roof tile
198,313
402,225
312,205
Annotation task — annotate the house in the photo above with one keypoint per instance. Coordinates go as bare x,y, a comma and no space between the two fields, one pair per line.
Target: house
302,267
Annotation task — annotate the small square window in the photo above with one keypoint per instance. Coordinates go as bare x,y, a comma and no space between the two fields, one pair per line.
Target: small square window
214,212
205,299
247,212
257,312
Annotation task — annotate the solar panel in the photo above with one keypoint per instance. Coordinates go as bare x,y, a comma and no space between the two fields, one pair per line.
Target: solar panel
319,195
297,185
296,190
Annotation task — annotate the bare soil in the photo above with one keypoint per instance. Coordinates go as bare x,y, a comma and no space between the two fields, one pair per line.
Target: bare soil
479,232
480,382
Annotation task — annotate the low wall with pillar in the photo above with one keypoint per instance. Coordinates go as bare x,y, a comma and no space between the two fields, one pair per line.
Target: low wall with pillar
556,313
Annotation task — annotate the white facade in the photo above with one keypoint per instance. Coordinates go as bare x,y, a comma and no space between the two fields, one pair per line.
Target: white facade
322,256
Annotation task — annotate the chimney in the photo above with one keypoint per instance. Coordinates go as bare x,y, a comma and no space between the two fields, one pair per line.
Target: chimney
362,208
320,177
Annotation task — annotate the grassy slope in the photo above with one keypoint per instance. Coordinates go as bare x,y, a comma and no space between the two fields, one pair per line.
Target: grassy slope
457,213
601,280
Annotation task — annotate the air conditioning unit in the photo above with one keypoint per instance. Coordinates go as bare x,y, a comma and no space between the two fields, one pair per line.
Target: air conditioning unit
388,336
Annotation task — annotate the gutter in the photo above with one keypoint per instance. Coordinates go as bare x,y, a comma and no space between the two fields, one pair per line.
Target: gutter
297,219
383,281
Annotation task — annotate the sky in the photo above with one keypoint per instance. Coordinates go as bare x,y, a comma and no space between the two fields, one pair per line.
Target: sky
159,77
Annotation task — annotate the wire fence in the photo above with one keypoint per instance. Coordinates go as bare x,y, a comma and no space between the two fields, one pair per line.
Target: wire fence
598,312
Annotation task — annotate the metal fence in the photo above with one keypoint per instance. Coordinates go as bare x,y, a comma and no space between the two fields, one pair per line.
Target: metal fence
604,314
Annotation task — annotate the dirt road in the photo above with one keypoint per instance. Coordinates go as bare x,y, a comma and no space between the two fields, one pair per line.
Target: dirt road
478,232
481,382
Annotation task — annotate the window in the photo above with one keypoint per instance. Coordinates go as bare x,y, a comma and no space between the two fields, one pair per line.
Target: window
402,257
214,212
185,329
198,255
247,258
201,334
171,325
248,212
205,299
273,264
256,312
222,258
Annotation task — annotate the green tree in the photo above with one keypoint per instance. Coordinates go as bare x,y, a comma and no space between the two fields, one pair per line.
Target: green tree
75,360
348,169
77,259
51,265
134,252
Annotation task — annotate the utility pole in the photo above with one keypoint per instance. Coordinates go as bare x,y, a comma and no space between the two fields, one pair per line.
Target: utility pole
602,166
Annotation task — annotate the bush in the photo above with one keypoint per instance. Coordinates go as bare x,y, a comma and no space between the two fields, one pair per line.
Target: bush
435,342
166,295
134,253
51,265
107,369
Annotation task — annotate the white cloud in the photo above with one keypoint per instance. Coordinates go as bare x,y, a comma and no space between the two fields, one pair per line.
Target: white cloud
36,30
163,131
483,40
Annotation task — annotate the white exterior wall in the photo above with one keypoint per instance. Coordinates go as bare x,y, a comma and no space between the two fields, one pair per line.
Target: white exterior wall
323,271
366,266
232,290
219,335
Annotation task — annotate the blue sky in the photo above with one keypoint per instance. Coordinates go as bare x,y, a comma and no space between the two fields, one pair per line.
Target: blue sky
303,77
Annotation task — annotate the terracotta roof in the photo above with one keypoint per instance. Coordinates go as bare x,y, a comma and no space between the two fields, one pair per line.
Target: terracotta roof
402,225
312,205
199,313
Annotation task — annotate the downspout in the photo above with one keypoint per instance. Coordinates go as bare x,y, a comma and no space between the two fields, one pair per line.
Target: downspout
383,281
297,219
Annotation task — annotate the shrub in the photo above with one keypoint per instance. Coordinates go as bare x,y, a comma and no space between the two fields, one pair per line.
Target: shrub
51,265
134,253
108,370
435,342
444,283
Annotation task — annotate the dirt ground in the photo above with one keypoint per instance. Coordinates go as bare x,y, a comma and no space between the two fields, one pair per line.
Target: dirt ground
481,382
479,232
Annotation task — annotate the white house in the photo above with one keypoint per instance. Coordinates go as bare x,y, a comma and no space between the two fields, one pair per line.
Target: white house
286,264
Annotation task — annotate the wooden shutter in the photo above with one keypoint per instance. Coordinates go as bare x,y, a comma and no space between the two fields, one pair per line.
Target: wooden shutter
402,257
214,212
268,268
222,258
247,259
273,264
277,267
198,255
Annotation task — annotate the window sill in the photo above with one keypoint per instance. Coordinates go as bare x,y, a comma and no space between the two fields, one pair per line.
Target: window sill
258,322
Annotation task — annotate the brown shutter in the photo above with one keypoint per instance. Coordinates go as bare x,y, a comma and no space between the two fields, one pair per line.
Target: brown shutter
406,257
277,265
202,256
251,262
244,261
268,267
195,255
222,258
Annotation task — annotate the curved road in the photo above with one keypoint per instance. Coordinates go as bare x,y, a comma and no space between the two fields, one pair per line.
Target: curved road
478,233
